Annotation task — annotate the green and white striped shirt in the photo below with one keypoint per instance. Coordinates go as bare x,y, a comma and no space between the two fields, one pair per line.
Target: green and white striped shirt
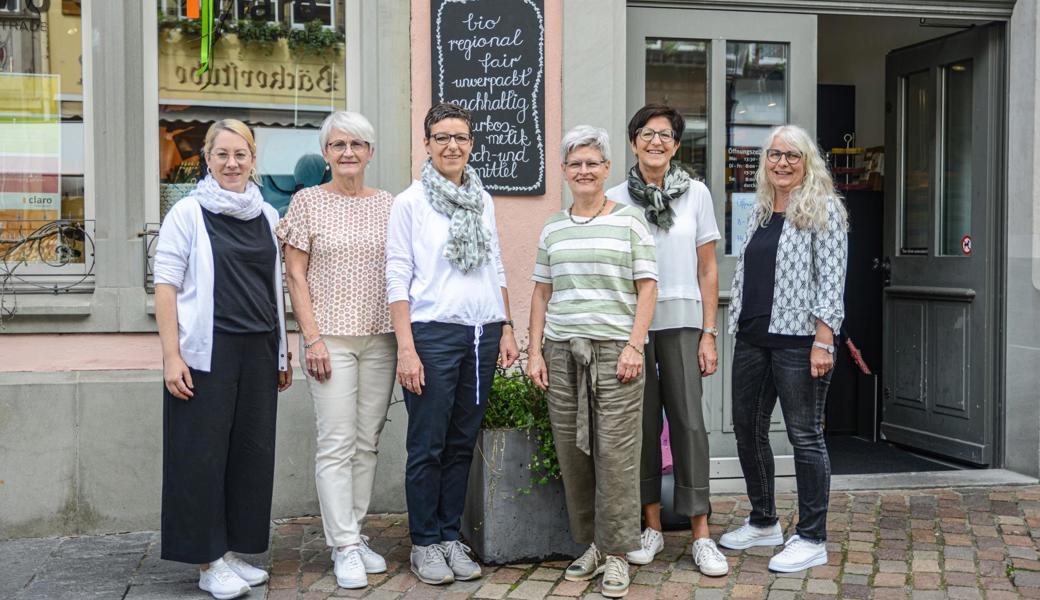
593,269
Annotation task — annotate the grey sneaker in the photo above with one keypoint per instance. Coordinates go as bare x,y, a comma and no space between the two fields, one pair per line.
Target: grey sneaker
457,557
615,578
586,566
429,566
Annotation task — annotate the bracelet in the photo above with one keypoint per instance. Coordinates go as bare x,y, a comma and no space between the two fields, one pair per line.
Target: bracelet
307,346
638,351
508,322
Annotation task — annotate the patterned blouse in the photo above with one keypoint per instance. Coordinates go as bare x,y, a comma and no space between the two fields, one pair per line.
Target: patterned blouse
345,237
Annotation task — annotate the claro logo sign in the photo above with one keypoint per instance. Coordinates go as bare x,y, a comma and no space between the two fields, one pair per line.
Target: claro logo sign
23,14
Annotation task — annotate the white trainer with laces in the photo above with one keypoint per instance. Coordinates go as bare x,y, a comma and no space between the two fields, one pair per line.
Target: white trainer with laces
708,559
220,581
799,554
748,535
374,562
349,568
651,542
615,578
250,574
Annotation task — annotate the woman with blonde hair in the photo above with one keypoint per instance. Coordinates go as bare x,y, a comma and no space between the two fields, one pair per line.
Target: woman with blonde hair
786,308
335,240
219,309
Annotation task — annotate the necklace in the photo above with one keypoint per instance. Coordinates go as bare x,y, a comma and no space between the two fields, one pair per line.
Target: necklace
570,213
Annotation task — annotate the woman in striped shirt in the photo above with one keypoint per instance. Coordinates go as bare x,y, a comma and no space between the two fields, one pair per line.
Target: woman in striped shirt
595,290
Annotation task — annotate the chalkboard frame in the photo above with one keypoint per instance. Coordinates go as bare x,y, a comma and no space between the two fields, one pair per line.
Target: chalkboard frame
538,185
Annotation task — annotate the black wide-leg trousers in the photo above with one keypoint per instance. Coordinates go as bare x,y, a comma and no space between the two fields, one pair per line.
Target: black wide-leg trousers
218,453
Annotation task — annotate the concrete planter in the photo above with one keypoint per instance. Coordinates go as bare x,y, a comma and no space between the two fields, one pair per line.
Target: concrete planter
502,523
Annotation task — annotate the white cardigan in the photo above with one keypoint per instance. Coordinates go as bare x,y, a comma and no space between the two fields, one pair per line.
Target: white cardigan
417,271
184,259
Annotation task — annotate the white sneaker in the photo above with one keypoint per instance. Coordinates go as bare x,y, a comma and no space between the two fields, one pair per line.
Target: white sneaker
220,581
615,578
651,542
374,563
799,554
586,566
748,535
708,559
349,568
250,574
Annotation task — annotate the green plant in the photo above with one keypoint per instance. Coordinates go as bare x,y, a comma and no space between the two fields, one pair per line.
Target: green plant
259,33
314,38
517,403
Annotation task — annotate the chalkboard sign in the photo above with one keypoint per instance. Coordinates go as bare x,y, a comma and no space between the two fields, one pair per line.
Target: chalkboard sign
489,56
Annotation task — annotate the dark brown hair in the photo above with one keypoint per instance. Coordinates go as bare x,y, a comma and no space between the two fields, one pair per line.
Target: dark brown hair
445,110
643,115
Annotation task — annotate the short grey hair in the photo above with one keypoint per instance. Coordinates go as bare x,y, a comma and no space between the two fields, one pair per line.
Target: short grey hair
585,135
350,123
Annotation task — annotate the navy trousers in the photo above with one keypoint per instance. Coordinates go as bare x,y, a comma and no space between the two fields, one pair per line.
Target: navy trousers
443,423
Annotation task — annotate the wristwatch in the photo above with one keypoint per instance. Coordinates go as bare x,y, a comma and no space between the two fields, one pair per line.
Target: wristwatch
508,322
712,330
828,347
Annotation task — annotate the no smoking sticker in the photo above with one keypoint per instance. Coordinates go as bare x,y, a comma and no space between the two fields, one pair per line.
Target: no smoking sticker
966,245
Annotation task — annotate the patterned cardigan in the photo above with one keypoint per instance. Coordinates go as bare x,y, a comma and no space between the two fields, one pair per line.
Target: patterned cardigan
810,277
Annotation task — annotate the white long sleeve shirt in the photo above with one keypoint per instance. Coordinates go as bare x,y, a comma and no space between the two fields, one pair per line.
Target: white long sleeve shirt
417,271
184,259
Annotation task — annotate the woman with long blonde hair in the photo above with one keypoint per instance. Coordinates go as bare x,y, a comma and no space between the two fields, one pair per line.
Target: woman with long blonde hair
786,309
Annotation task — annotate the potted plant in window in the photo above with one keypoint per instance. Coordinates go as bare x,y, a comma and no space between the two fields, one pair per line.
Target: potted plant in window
515,509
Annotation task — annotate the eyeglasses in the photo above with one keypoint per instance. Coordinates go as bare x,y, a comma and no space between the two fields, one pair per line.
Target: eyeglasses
773,156
647,135
221,156
444,139
575,166
339,146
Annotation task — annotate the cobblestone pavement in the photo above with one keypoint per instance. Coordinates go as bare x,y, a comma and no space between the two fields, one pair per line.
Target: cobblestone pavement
959,543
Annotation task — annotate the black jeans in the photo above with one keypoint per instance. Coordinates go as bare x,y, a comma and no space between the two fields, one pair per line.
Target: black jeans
759,376
443,423
218,453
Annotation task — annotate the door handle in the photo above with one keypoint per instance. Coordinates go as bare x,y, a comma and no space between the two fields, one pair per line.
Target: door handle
885,266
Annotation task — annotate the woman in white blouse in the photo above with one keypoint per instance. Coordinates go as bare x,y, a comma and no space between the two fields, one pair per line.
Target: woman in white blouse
335,238
450,309
681,347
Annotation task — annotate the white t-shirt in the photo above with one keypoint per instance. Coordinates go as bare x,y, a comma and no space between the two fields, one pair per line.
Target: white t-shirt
678,291
417,271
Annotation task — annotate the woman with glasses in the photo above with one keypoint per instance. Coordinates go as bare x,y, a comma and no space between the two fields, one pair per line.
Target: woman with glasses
681,348
334,236
787,305
595,287
218,306
450,310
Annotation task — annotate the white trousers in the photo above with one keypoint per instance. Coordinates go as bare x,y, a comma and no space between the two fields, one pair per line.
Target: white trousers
351,410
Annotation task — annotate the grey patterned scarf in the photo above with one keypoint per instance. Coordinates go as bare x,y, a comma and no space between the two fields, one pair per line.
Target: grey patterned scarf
655,201
470,243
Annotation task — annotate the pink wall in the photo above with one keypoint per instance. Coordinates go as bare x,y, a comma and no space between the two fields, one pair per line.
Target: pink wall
519,218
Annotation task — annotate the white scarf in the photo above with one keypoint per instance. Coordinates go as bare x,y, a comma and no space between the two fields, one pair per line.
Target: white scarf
216,199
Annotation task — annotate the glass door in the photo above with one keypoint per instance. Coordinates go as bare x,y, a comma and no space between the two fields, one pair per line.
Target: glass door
733,76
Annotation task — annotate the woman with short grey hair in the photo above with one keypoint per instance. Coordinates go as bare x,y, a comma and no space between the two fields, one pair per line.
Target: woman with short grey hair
595,288
334,237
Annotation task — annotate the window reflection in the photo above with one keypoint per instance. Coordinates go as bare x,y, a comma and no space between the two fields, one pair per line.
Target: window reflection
957,163
278,65
756,101
919,135
677,75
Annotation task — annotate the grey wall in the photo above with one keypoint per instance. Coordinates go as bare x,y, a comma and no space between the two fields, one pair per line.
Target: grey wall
1022,348
81,453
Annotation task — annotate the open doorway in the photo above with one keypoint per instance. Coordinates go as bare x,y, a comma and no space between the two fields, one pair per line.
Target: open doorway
856,112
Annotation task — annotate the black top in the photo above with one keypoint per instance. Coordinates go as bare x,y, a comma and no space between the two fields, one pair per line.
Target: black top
757,295
244,256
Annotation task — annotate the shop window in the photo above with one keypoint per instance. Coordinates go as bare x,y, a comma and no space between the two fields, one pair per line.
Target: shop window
46,230
756,101
677,75
280,80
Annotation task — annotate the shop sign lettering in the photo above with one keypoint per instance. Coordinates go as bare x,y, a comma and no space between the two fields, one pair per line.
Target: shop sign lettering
489,56
233,78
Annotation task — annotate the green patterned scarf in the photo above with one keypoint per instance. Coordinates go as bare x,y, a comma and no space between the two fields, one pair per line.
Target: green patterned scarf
655,201
470,244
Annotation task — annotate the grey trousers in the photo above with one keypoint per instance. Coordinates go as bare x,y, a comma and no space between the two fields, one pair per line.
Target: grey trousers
586,399
673,380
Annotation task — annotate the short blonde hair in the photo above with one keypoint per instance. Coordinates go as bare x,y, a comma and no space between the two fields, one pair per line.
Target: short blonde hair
241,130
